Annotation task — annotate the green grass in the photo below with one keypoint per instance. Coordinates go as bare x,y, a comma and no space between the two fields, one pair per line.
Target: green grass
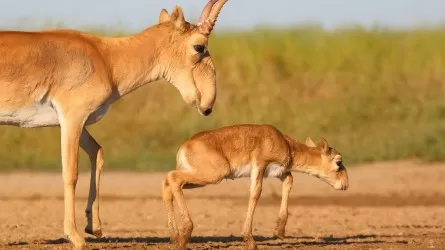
374,94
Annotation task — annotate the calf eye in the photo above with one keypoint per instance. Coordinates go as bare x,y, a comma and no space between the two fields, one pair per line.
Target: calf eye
199,48
340,165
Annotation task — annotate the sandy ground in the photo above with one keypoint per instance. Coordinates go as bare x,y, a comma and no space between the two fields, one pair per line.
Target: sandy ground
397,205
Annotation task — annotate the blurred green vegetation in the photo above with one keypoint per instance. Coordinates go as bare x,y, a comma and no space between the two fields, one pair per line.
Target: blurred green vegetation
373,94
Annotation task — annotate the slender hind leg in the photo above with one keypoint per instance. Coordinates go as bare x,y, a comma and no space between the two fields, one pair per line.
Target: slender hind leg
167,197
177,179
187,180
255,193
95,153
282,216
203,168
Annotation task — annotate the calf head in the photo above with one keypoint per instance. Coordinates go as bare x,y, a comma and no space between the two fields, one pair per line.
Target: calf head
326,163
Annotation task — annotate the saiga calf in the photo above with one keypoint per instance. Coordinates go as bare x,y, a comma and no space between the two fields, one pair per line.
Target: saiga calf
255,151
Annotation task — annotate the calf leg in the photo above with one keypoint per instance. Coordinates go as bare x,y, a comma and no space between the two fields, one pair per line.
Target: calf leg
180,179
282,216
167,197
204,168
176,180
255,193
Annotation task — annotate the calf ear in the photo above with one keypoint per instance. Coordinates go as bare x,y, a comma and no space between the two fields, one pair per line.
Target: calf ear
163,16
323,145
310,143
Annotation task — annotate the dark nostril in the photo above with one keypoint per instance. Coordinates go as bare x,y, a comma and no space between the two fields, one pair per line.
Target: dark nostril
207,112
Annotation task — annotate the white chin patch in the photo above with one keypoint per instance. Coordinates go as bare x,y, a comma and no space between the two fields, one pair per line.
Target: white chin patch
338,185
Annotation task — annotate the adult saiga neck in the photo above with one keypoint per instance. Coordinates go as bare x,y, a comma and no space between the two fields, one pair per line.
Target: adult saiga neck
134,61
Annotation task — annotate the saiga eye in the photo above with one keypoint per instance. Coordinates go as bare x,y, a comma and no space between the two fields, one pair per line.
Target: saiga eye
339,165
199,48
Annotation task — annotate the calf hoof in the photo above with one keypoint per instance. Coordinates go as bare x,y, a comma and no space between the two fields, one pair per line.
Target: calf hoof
79,247
174,239
180,245
250,243
279,233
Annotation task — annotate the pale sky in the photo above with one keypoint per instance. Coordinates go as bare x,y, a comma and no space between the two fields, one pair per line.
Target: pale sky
138,14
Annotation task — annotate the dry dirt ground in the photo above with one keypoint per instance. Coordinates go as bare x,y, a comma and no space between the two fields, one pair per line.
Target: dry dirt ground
397,205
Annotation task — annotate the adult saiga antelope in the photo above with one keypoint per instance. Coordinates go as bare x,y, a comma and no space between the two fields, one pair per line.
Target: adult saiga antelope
69,79
255,151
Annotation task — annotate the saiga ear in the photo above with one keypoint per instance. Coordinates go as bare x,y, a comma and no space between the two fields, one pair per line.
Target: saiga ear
177,18
310,143
323,145
163,16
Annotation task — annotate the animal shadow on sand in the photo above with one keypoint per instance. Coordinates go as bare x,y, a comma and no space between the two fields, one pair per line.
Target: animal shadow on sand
290,241
221,242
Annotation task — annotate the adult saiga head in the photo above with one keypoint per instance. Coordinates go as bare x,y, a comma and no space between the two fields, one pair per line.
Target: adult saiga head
185,60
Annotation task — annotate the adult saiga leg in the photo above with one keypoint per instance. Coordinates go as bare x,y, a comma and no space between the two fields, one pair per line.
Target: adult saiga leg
95,153
71,128
287,181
